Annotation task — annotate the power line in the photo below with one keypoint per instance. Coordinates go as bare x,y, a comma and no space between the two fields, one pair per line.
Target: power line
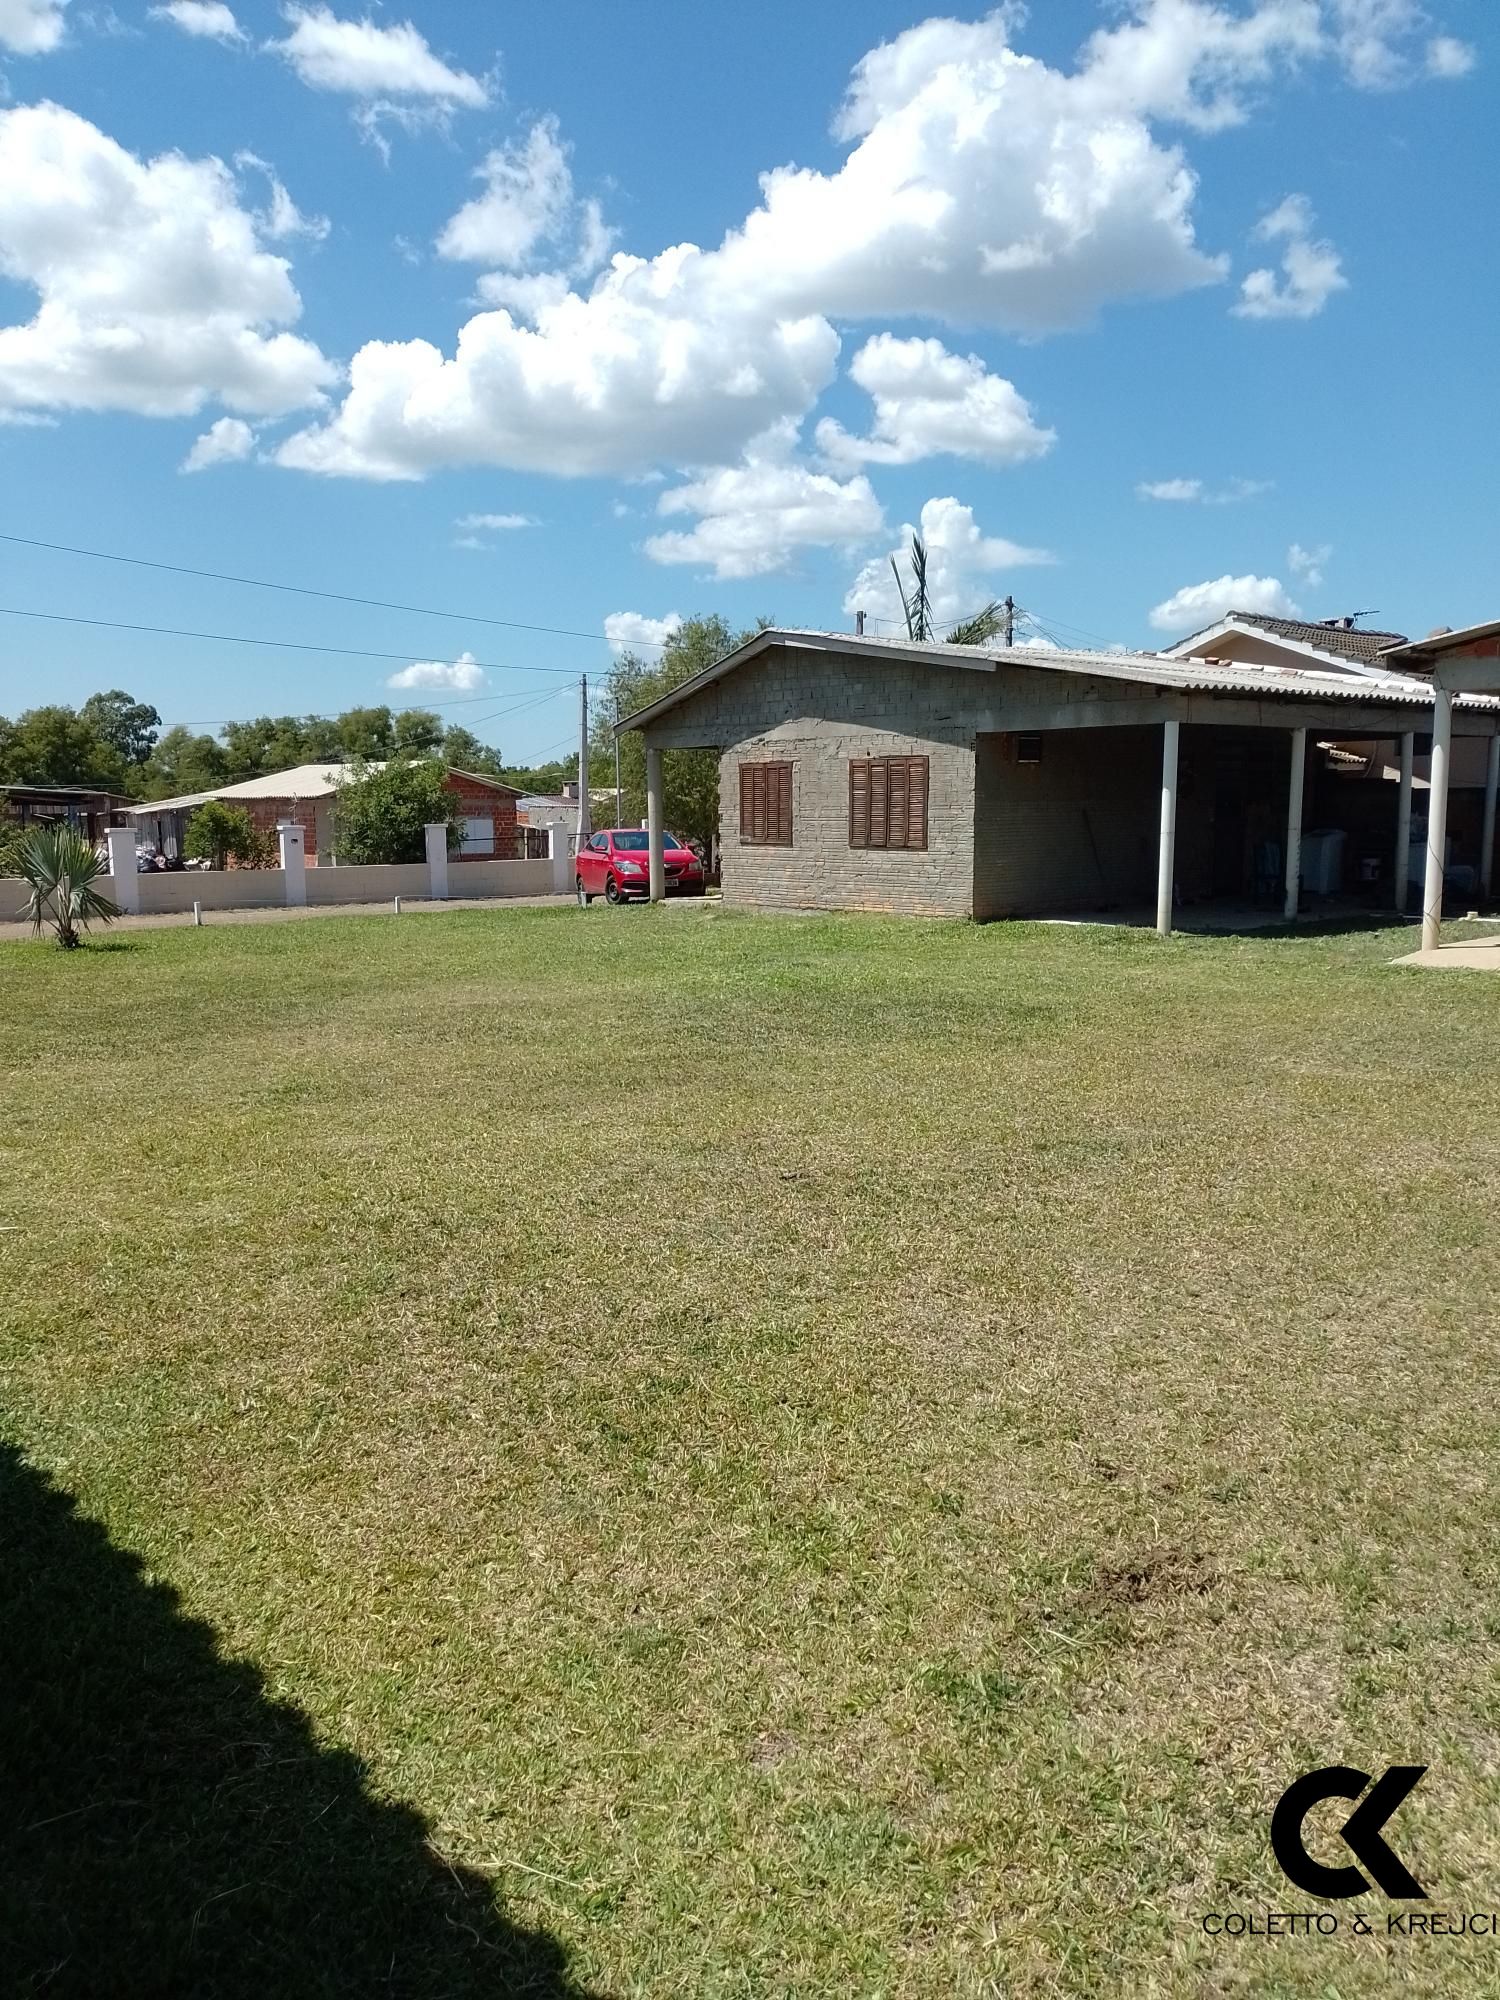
240,639
303,590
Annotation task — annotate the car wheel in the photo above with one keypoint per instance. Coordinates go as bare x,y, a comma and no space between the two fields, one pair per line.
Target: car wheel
612,893
584,898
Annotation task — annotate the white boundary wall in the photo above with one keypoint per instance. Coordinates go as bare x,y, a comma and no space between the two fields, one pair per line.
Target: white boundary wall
174,893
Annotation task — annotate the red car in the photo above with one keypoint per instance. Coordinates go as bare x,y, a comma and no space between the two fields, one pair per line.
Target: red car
616,864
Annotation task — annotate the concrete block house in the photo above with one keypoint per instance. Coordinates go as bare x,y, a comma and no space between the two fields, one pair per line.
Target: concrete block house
870,774
304,796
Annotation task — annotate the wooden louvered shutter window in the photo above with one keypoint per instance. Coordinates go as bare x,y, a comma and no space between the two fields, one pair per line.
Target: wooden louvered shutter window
888,802
781,834
859,801
765,805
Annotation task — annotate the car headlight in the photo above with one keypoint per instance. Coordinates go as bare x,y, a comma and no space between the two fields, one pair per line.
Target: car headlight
629,867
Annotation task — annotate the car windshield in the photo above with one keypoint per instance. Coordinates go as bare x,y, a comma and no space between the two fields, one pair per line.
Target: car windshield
637,843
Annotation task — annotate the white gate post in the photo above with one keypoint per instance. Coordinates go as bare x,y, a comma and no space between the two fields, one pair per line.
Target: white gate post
561,859
122,869
437,860
293,862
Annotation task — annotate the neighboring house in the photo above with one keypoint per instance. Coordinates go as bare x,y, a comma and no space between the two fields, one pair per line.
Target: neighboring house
83,806
860,773
305,795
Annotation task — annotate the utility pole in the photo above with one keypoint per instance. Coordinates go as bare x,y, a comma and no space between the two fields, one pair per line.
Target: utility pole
1010,621
585,824
619,806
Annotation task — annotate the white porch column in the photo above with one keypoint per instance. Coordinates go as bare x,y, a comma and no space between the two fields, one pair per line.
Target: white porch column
293,862
654,825
1403,822
1294,822
1166,856
1437,818
437,860
125,882
1487,838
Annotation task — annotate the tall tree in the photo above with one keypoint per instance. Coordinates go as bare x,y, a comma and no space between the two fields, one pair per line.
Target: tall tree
129,726
464,751
183,762
366,733
415,732
55,746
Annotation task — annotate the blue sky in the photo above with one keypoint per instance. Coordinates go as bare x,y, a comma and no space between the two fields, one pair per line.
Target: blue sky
1008,275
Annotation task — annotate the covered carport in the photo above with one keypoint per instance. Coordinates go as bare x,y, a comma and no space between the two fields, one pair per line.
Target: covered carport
1188,698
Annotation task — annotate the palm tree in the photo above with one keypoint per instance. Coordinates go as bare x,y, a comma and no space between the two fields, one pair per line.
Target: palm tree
980,629
62,868
916,607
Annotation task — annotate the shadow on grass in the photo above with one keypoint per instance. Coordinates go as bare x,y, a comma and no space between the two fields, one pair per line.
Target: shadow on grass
167,1828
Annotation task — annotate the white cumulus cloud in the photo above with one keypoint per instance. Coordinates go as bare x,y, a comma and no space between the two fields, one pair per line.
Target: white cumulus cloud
208,18
1311,269
1309,564
1199,604
31,27
281,215
365,59
625,630
755,517
1380,43
929,401
460,676
228,439
528,193
963,566
1449,58
155,291
997,190
494,523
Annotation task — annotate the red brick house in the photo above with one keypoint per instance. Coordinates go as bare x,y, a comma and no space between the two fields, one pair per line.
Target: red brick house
305,796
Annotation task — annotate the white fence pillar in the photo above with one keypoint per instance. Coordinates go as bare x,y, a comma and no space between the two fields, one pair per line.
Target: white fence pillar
1166,860
560,855
437,860
1437,819
124,877
293,862
1294,822
1403,822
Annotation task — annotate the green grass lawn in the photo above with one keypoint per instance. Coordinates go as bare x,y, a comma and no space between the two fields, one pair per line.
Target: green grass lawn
666,1453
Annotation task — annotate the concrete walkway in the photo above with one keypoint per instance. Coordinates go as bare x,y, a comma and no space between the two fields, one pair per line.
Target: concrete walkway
1470,954
278,914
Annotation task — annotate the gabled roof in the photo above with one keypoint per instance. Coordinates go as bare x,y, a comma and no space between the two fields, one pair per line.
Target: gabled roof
1351,644
1371,686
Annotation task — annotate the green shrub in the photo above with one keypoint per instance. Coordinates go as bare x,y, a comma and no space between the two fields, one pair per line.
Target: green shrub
218,834
381,811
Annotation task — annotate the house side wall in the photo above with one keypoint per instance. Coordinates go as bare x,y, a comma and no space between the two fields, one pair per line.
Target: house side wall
817,711
1076,831
479,802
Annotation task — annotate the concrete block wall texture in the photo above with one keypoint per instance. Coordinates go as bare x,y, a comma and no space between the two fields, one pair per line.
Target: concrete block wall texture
817,711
